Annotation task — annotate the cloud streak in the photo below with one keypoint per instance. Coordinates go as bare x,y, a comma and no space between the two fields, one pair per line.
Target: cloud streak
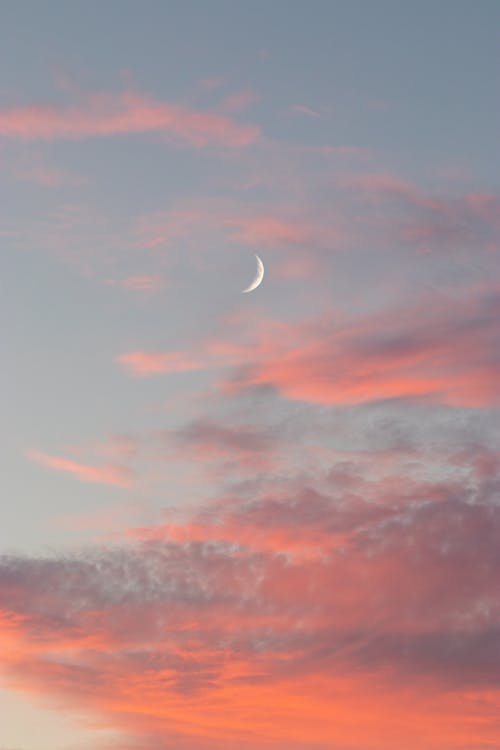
111,114
440,350
112,474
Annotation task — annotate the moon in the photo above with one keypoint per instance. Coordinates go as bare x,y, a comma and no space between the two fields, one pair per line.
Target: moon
258,276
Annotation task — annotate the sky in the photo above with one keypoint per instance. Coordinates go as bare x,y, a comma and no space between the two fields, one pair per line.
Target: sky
267,520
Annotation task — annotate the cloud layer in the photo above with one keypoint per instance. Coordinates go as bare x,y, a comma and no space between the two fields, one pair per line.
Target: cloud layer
347,609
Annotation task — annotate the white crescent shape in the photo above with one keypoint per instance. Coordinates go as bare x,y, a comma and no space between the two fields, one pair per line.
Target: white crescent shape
258,276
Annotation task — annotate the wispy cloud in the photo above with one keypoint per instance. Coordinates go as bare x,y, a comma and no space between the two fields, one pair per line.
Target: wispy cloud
434,221
37,170
302,109
113,474
150,363
111,114
234,448
139,283
438,350
238,102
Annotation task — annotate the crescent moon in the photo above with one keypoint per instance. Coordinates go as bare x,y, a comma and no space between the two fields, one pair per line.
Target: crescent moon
258,276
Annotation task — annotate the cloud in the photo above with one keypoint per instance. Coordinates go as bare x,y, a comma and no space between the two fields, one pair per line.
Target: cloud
438,350
151,363
411,239
304,110
238,102
270,230
112,474
111,114
281,228
444,354
37,171
433,221
381,186
222,630
235,447
139,283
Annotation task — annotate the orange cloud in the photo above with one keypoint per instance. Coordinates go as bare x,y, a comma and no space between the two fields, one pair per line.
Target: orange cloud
113,474
102,115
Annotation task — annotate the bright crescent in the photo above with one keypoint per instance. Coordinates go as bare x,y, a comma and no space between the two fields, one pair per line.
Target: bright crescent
258,277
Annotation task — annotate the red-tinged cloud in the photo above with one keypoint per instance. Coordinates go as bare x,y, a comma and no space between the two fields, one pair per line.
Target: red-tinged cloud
222,631
139,283
104,115
439,351
112,474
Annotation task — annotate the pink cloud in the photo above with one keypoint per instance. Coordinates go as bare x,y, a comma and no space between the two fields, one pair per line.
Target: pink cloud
112,474
299,267
269,230
209,84
238,102
152,363
432,221
139,283
302,241
435,351
41,173
486,205
101,115
121,446
224,630
231,448
380,185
